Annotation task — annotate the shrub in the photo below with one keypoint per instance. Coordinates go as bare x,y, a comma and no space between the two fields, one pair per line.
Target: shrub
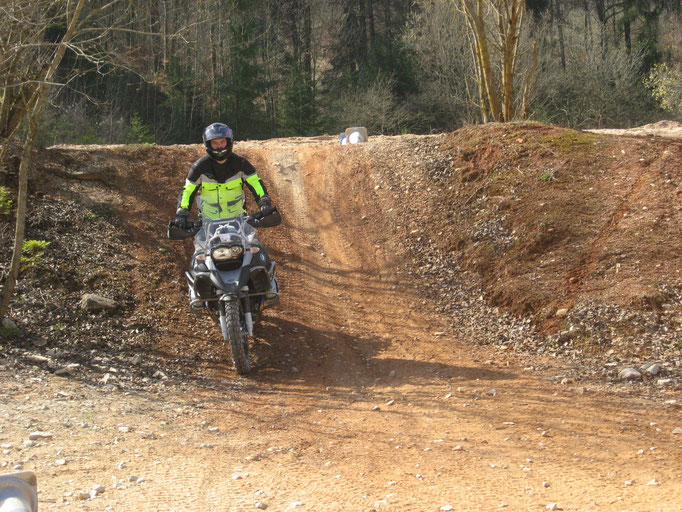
665,83
375,107
600,87
5,202
33,251
138,132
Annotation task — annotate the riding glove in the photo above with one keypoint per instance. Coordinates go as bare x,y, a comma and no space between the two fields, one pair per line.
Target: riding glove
264,202
182,218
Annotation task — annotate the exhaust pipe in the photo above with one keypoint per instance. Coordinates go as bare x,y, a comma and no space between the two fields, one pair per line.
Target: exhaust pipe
19,492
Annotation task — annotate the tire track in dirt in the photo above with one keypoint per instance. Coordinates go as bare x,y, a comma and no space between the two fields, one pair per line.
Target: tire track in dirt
374,406
587,262
357,404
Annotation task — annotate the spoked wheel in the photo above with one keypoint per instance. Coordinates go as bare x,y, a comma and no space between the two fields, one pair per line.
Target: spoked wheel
235,334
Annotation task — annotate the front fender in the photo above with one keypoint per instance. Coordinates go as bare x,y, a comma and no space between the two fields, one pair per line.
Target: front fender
227,281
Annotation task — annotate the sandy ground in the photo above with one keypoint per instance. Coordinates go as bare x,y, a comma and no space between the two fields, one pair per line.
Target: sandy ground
361,399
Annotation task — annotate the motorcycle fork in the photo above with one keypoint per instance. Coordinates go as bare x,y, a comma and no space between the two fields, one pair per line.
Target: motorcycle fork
246,308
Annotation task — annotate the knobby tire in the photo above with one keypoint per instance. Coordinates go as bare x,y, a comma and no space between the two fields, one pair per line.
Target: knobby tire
235,335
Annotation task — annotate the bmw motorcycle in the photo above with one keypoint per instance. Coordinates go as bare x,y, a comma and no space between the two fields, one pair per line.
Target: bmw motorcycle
231,278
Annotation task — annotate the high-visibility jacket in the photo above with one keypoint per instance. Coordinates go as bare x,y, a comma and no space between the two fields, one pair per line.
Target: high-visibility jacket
220,186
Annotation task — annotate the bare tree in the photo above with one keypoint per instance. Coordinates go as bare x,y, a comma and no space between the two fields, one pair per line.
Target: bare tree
494,28
31,106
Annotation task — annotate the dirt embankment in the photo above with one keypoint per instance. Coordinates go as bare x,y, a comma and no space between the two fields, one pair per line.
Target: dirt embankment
396,258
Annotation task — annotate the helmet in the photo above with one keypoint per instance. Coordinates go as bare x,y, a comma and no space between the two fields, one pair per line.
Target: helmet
218,131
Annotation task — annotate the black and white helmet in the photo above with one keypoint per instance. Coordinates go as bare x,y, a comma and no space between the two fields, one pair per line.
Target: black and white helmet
218,131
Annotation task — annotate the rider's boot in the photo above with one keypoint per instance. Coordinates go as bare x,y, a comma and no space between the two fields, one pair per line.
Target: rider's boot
198,266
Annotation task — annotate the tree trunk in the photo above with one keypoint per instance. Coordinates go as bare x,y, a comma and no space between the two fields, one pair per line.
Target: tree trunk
475,16
560,30
307,43
10,282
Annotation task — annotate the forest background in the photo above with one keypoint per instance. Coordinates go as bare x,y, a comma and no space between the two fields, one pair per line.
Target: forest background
158,71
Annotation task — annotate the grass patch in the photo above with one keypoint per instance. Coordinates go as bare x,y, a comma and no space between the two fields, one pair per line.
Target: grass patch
568,141
5,202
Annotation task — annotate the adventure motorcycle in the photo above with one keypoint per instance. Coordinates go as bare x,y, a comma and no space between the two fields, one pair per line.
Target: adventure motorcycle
231,277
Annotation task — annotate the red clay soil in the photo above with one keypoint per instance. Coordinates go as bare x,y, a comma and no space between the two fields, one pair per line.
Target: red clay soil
363,396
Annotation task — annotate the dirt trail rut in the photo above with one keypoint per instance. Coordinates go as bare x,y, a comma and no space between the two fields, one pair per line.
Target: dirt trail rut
361,399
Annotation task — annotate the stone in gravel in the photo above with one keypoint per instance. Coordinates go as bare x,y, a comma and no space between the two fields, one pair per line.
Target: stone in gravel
447,507
82,495
37,436
96,303
35,358
60,462
491,392
136,359
133,478
677,430
664,382
553,506
561,313
98,489
629,374
39,342
63,371
261,505
654,369
653,482
9,324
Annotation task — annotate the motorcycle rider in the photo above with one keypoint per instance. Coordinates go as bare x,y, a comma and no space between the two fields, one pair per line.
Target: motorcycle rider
219,177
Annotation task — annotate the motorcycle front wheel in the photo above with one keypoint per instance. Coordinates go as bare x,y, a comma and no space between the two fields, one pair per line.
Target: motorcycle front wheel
234,333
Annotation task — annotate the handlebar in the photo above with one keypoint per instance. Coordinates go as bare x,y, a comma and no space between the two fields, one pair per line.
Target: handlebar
176,232
265,218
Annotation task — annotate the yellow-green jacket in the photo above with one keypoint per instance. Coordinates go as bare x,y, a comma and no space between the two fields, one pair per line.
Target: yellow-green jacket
220,186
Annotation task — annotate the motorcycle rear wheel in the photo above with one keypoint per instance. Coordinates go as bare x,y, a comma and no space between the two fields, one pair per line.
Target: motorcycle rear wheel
234,333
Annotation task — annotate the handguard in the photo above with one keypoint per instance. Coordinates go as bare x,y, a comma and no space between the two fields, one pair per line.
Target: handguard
176,232
268,217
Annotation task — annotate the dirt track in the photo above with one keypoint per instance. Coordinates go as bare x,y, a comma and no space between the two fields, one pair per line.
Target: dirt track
361,399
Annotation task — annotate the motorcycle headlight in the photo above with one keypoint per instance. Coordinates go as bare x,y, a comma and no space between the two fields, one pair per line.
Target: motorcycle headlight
227,253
